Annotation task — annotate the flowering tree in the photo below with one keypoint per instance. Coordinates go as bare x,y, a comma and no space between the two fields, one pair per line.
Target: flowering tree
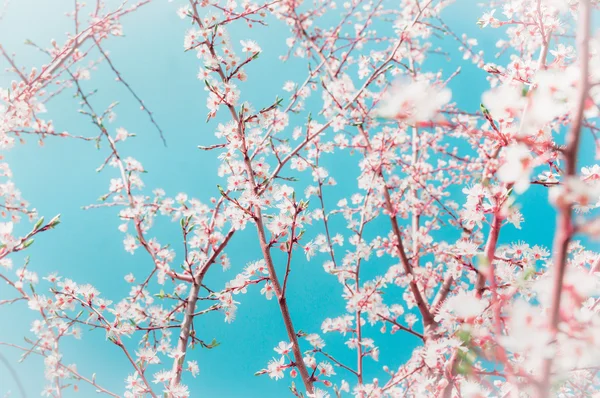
437,187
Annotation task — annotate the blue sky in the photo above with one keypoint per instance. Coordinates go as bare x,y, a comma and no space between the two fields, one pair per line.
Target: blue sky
87,247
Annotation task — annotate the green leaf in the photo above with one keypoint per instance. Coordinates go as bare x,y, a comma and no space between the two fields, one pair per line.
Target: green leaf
293,388
38,224
464,336
214,343
464,368
55,221
528,273
484,110
27,243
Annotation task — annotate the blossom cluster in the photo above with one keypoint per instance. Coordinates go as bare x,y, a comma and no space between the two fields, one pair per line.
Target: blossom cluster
414,252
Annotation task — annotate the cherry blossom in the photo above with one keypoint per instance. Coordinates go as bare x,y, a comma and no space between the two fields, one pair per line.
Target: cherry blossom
362,170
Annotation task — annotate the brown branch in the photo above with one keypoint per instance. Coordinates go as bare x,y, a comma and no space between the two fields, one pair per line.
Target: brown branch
138,99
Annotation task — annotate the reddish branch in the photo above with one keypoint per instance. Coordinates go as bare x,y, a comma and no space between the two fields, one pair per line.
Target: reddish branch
564,221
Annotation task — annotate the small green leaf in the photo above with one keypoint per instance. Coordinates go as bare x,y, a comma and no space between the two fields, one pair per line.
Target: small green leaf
38,224
528,273
27,243
484,110
214,343
464,368
55,221
464,335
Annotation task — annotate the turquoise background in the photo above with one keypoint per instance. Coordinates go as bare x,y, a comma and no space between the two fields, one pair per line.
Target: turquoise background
87,247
